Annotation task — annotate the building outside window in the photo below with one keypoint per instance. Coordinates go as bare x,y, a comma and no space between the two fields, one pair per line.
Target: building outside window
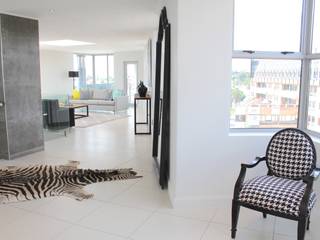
290,87
257,92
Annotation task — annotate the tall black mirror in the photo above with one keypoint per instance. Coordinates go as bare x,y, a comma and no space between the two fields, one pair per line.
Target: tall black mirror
161,128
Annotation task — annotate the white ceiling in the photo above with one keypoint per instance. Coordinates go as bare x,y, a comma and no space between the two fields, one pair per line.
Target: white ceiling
114,25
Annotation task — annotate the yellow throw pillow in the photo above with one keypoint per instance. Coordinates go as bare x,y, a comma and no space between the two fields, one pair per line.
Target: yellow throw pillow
75,94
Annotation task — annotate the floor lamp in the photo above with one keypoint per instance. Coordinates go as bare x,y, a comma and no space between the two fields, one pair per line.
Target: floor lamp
73,74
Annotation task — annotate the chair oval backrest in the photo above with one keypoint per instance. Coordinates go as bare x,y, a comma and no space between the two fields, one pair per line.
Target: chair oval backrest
291,154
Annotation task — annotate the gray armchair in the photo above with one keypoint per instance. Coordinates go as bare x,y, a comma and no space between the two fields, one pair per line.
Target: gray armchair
55,117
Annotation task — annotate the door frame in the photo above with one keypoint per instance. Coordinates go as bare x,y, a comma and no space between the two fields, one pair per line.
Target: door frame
125,63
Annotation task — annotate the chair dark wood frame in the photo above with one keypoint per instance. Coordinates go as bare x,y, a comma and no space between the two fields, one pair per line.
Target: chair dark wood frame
162,103
303,218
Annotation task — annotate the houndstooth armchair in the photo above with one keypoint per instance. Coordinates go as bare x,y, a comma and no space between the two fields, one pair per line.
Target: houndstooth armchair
287,190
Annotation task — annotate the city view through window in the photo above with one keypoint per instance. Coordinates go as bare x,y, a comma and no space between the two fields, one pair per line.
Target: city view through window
265,93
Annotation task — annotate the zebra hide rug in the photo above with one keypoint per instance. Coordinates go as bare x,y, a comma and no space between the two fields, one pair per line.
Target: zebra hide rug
41,181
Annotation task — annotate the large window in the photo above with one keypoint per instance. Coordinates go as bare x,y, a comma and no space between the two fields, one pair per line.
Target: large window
276,65
96,71
267,61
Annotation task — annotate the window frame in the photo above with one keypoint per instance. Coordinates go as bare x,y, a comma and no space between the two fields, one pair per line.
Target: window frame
308,57
305,55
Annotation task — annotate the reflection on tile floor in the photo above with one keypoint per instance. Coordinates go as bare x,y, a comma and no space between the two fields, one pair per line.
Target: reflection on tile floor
135,209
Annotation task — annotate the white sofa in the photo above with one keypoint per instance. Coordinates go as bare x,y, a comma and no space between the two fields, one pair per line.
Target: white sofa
99,99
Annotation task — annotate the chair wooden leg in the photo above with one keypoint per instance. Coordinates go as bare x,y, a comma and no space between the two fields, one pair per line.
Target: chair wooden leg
308,223
302,224
264,215
235,217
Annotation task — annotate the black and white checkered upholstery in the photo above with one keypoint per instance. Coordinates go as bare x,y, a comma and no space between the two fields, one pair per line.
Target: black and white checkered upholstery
290,154
275,194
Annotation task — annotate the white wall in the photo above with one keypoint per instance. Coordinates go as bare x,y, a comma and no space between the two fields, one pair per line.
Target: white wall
120,58
205,157
54,73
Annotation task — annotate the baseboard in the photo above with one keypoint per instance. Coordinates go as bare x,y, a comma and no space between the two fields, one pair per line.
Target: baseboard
24,153
200,200
3,156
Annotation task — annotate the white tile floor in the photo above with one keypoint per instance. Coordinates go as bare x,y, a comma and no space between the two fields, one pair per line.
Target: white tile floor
135,209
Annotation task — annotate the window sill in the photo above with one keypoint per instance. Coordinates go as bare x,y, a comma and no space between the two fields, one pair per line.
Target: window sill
315,139
266,133
252,132
314,135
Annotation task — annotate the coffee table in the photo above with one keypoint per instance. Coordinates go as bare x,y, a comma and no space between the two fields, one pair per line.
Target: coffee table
73,115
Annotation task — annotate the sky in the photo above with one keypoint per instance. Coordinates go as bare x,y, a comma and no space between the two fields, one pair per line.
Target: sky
272,25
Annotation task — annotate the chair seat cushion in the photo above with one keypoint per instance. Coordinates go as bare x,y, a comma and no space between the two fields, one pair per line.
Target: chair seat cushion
275,194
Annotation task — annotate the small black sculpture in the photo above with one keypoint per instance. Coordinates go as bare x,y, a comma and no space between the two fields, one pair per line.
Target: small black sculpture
142,89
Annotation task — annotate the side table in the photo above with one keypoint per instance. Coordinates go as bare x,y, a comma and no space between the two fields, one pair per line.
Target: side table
148,113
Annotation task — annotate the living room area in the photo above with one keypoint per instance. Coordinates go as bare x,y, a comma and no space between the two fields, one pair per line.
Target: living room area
82,86
72,103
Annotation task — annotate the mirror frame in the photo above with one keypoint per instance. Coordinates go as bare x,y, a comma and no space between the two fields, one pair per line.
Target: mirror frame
162,103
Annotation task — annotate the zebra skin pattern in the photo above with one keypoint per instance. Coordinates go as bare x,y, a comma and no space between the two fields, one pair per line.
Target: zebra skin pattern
40,181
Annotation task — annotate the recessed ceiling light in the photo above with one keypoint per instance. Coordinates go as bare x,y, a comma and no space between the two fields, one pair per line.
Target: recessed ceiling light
65,43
